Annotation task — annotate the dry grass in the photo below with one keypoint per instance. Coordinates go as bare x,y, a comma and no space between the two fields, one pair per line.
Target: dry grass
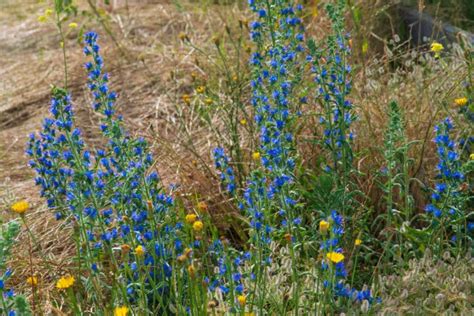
150,72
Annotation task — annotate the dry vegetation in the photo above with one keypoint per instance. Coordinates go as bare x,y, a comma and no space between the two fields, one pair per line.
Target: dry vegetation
150,69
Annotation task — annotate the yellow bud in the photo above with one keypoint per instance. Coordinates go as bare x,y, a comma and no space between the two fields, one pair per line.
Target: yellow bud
256,155
73,25
140,250
242,300
323,226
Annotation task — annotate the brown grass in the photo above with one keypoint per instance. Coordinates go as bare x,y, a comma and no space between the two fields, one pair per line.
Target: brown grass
150,72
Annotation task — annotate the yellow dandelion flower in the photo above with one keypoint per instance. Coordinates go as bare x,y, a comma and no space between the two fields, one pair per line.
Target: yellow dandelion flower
358,242
242,300
32,280
436,48
121,311
198,226
20,207
140,250
243,122
191,218
65,282
460,101
323,226
256,155
73,25
200,89
335,257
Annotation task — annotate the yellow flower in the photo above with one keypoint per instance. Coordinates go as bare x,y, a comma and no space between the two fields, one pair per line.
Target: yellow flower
198,226
242,300
436,48
471,156
140,250
20,207
335,257
186,99
121,311
200,89
73,25
32,280
323,226
460,101
191,218
42,18
208,101
243,121
65,282
358,242
48,12
256,155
